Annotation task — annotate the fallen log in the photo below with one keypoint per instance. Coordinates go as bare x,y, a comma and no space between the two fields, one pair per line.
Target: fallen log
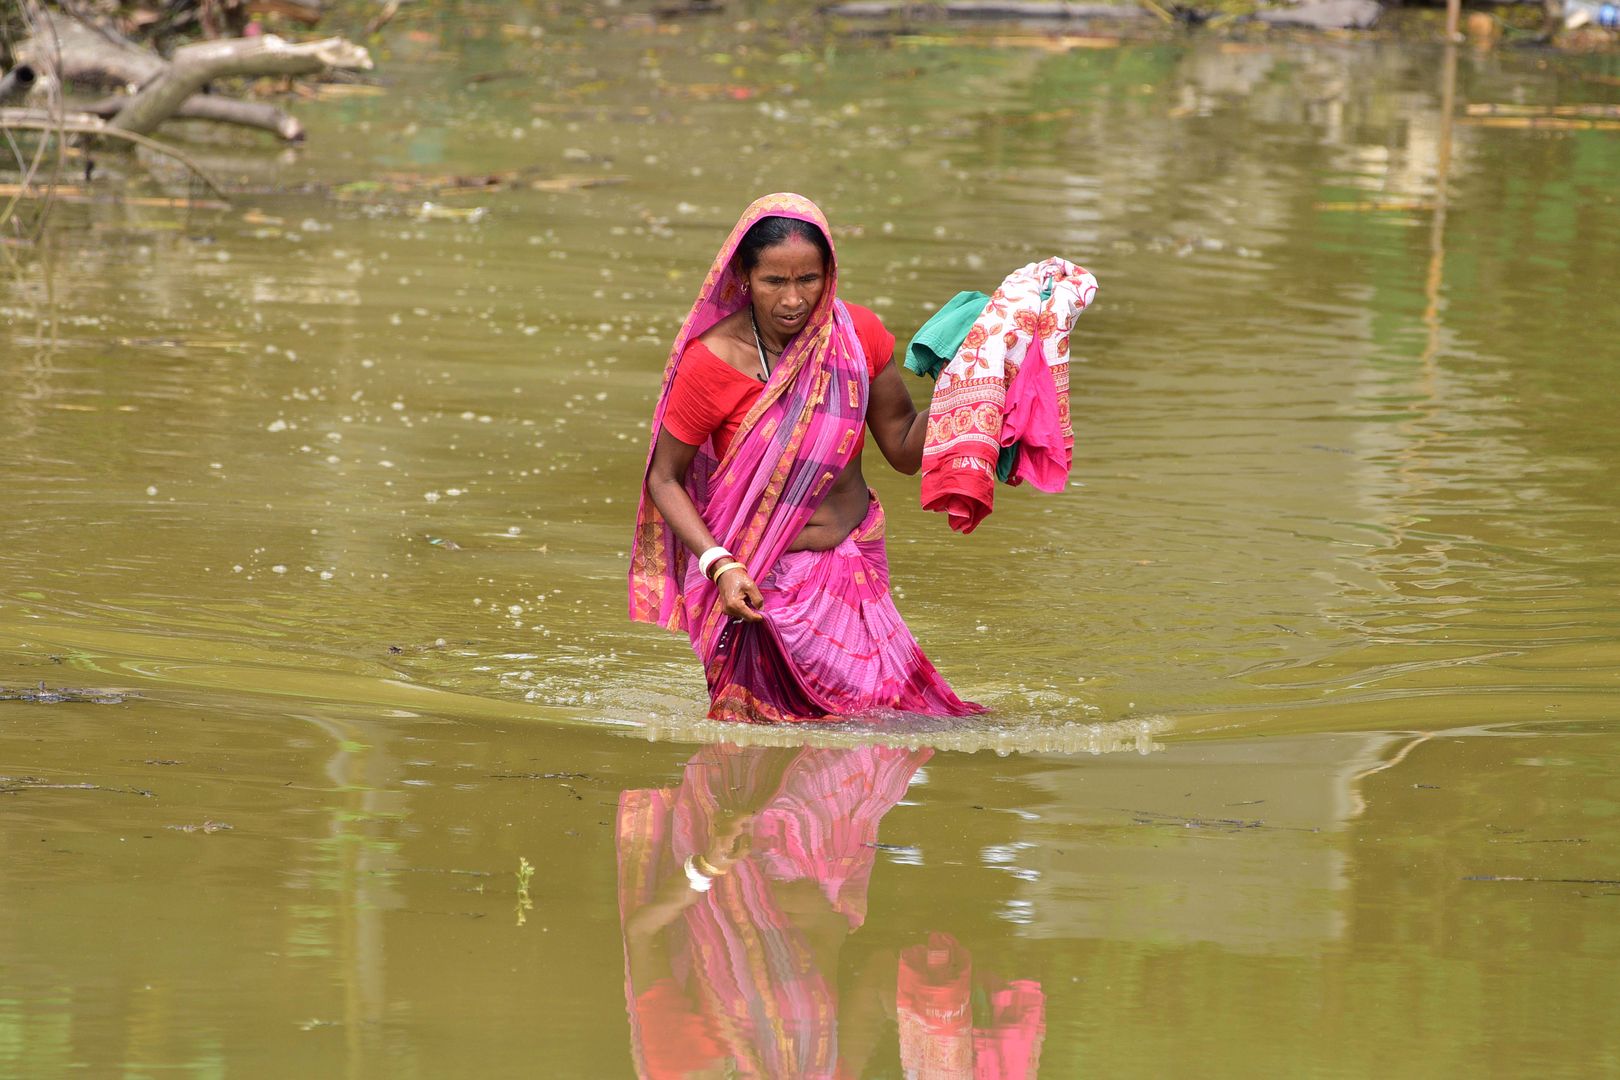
988,10
249,114
194,65
159,90
16,84
78,53
1325,15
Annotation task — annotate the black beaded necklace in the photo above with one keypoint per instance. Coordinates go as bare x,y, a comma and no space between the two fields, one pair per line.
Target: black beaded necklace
760,345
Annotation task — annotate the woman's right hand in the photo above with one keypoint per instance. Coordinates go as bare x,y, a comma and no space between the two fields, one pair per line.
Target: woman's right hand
739,596
732,839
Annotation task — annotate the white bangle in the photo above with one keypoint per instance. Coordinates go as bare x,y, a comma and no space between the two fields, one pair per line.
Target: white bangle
710,557
696,878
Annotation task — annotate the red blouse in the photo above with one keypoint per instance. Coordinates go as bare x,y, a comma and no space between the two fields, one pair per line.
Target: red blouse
710,397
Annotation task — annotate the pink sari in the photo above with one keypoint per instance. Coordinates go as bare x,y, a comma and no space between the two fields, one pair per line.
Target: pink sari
823,652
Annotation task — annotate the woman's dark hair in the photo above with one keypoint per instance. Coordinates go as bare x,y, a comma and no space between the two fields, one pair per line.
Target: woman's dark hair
770,231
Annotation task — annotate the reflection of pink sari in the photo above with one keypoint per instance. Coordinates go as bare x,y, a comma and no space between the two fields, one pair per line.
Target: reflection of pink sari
821,653
744,982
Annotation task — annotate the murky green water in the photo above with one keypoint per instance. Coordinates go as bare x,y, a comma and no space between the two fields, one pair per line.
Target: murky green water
1338,582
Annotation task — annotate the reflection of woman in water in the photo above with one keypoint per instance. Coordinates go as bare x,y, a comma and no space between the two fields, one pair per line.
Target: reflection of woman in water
738,891
756,532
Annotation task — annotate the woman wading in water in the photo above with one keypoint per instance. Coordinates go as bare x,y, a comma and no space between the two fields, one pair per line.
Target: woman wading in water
756,532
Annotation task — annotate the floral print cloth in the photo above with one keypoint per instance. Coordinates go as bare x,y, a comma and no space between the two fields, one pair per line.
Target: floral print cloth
1008,384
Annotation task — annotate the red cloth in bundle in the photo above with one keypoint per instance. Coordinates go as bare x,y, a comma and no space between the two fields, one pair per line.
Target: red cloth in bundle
1027,408
963,489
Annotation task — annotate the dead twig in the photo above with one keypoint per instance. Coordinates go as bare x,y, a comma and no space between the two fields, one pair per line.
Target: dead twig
43,32
1155,817
382,18
10,785
85,124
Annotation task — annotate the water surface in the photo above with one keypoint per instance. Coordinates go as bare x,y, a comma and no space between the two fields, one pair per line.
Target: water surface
1309,680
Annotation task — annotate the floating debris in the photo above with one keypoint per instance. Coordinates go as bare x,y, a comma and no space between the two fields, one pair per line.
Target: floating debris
430,211
477,184
1046,11
1541,123
11,784
1364,206
44,696
1589,111
75,194
574,183
1155,817
205,827
331,91
431,870
431,646
1543,880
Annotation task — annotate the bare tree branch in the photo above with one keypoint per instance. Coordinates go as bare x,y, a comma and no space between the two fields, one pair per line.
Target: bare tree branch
251,114
194,65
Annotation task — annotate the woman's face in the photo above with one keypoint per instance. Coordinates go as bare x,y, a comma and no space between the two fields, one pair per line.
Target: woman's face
786,284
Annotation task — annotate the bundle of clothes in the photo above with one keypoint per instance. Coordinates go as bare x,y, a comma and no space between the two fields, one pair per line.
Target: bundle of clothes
1000,411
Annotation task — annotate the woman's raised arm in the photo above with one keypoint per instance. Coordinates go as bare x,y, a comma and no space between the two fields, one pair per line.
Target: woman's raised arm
896,425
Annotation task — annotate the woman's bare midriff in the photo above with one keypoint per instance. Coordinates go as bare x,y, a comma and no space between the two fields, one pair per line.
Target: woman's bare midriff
732,339
844,508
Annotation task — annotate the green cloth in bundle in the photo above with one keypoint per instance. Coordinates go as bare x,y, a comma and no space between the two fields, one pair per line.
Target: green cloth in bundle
1006,462
937,341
